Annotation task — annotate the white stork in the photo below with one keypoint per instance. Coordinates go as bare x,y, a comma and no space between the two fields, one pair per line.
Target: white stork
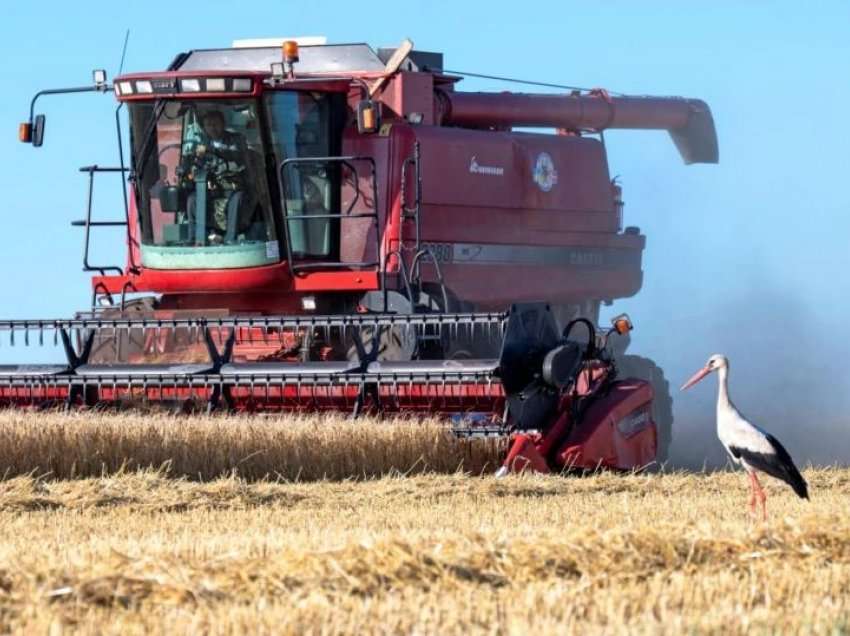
747,444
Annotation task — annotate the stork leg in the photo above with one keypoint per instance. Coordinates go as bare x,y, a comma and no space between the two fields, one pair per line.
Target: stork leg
751,476
759,492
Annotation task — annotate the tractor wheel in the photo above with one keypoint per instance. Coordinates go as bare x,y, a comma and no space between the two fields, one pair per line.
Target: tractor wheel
565,313
462,344
393,344
629,366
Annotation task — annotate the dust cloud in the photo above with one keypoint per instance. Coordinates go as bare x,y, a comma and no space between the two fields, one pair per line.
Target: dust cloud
787,375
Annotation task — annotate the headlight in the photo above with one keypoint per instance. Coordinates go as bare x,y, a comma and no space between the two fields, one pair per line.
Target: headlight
190,85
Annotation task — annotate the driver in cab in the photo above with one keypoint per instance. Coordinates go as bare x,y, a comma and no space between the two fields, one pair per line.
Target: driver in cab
223,155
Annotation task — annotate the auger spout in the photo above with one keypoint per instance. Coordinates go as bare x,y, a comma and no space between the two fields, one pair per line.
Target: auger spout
689,121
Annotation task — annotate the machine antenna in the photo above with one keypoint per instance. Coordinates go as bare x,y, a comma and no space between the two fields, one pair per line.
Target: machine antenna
123,53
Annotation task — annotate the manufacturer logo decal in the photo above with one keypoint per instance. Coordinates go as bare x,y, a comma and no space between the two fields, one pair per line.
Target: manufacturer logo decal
490,171
545,175
634,422
164,85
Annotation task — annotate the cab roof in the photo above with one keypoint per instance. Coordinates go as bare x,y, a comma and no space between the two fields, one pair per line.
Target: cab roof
320,59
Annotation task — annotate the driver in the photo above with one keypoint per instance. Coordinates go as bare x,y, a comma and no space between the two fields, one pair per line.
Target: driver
224,157
228,147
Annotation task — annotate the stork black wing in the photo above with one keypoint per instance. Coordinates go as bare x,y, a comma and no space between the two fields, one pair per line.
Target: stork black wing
777,464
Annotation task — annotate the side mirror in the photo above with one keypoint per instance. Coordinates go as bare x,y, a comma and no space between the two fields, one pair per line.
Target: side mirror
32,132
38,131
368,117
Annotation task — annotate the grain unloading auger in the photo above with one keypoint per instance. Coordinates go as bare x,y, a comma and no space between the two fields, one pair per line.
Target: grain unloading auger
325,227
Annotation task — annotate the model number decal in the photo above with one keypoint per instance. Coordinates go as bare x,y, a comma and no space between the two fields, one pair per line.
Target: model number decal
538,255
443,252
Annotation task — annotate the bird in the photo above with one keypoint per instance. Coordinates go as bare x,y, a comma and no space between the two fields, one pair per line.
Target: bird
749,446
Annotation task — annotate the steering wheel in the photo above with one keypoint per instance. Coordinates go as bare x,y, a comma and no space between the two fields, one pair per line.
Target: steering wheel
166,148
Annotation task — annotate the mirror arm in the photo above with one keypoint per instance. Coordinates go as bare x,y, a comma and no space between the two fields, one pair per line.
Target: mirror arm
364,87
98,88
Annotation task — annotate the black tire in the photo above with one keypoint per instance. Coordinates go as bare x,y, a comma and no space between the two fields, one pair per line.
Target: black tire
662,405
393,344
461,343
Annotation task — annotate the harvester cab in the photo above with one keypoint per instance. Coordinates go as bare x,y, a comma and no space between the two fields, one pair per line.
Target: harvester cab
327,227
205,178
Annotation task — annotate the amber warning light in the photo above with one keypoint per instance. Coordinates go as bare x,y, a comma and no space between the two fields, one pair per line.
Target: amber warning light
368,118
622,324
290,51
25,132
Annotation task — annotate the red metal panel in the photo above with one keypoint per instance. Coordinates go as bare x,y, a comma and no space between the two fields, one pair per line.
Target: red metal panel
509,225
407,93
617,431
272,278
487,191
358,238
493,287
389,149
335,281
490,170
214,305
275,277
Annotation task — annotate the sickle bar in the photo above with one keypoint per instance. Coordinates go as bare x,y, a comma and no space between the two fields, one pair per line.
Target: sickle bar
439,387
416,385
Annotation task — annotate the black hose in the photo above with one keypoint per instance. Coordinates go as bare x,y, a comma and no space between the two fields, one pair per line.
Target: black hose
590,352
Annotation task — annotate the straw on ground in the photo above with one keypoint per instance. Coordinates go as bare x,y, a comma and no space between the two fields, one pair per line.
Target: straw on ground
143,550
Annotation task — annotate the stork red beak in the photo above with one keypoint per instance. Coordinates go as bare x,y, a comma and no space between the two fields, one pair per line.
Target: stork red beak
699,375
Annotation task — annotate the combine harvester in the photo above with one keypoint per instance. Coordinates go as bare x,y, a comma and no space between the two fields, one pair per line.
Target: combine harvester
324,227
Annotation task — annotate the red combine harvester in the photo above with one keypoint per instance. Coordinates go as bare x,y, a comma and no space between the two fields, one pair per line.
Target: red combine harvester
327,227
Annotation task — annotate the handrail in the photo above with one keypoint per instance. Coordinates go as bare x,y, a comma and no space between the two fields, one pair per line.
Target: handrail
416,274
412,212
130,260
346,161
87,223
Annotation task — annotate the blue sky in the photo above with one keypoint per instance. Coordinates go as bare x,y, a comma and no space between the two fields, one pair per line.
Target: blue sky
748,257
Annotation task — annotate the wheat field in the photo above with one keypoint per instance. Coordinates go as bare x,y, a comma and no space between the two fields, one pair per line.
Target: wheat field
145,523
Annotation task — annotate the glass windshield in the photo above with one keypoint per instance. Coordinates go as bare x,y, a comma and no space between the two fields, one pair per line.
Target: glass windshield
301,133
201,179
